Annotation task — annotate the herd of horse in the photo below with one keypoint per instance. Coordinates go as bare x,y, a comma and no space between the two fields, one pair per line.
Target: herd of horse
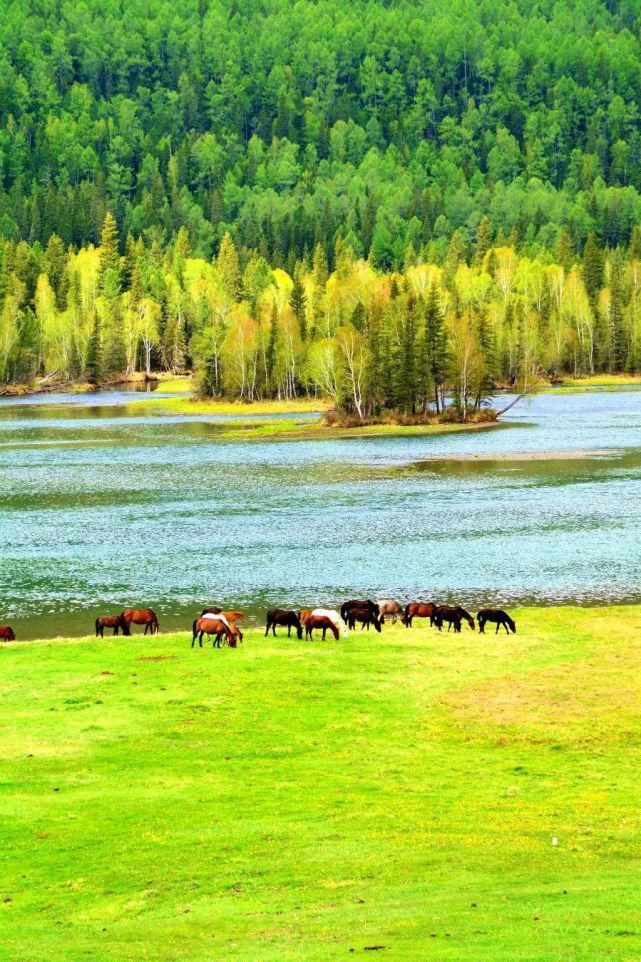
221,626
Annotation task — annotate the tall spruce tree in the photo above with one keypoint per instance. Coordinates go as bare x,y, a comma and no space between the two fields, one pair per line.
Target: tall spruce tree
436,344
593,268
95,357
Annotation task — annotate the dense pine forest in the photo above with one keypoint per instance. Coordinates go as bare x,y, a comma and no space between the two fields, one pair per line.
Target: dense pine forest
375,201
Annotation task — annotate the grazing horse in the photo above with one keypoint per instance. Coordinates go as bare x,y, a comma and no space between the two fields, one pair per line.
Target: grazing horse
347,606
218,627
328,613
139,616
229,615
107,621
496,616
454,615
419,609
322,622
366,612
233,616
391,608
7,633
288,619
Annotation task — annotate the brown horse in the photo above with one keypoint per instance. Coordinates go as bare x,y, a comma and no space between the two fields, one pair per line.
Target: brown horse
498,617
453,615
419,609
320,622
7,633
139,616
229,615
107,621
392,609
217,627
288,619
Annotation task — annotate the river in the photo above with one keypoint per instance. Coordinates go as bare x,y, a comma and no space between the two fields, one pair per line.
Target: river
100,508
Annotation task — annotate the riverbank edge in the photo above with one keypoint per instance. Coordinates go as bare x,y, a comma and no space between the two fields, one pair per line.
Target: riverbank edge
254,629
183,383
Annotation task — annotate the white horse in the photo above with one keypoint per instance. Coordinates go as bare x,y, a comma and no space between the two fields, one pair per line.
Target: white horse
334,617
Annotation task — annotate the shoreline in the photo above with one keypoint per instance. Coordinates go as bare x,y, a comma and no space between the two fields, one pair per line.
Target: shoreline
254,626
179,383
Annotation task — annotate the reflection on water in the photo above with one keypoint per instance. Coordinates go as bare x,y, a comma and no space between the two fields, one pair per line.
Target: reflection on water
97,512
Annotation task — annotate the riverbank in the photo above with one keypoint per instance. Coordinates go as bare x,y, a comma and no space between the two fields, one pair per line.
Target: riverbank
292,800
168,382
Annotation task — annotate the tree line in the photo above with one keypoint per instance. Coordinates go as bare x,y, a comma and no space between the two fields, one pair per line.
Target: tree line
373,341
389,126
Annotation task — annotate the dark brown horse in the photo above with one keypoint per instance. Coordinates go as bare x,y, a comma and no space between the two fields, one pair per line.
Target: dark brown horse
139,616
365,612
320,622
453,615
419,609
286,618
360,604
218,628
498,617
7,633
107,621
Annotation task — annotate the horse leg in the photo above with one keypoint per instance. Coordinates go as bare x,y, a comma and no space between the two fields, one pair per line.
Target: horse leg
497,628
289,631
506,628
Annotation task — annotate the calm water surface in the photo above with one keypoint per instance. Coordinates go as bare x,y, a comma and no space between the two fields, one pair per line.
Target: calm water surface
100,509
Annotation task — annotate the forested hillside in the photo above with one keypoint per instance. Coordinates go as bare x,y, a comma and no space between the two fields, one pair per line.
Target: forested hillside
289,123
370,138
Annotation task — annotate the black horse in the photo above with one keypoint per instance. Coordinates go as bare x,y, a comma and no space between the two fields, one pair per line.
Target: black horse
288,619
453,615
496,616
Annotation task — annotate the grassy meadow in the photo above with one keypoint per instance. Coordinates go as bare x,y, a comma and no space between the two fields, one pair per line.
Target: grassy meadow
392,796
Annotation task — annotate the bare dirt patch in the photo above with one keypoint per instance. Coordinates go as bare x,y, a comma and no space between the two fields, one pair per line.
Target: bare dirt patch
576,701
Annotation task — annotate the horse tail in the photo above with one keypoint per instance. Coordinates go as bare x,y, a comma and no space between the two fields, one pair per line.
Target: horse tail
97,627
344,611
193,628
406,614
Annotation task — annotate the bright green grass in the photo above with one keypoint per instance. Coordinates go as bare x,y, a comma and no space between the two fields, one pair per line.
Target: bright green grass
594,382
297,801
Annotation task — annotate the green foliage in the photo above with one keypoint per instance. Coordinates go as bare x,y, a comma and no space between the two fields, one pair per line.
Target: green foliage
185,117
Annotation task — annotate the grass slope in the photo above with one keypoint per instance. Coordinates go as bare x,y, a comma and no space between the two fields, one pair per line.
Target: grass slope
309,802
